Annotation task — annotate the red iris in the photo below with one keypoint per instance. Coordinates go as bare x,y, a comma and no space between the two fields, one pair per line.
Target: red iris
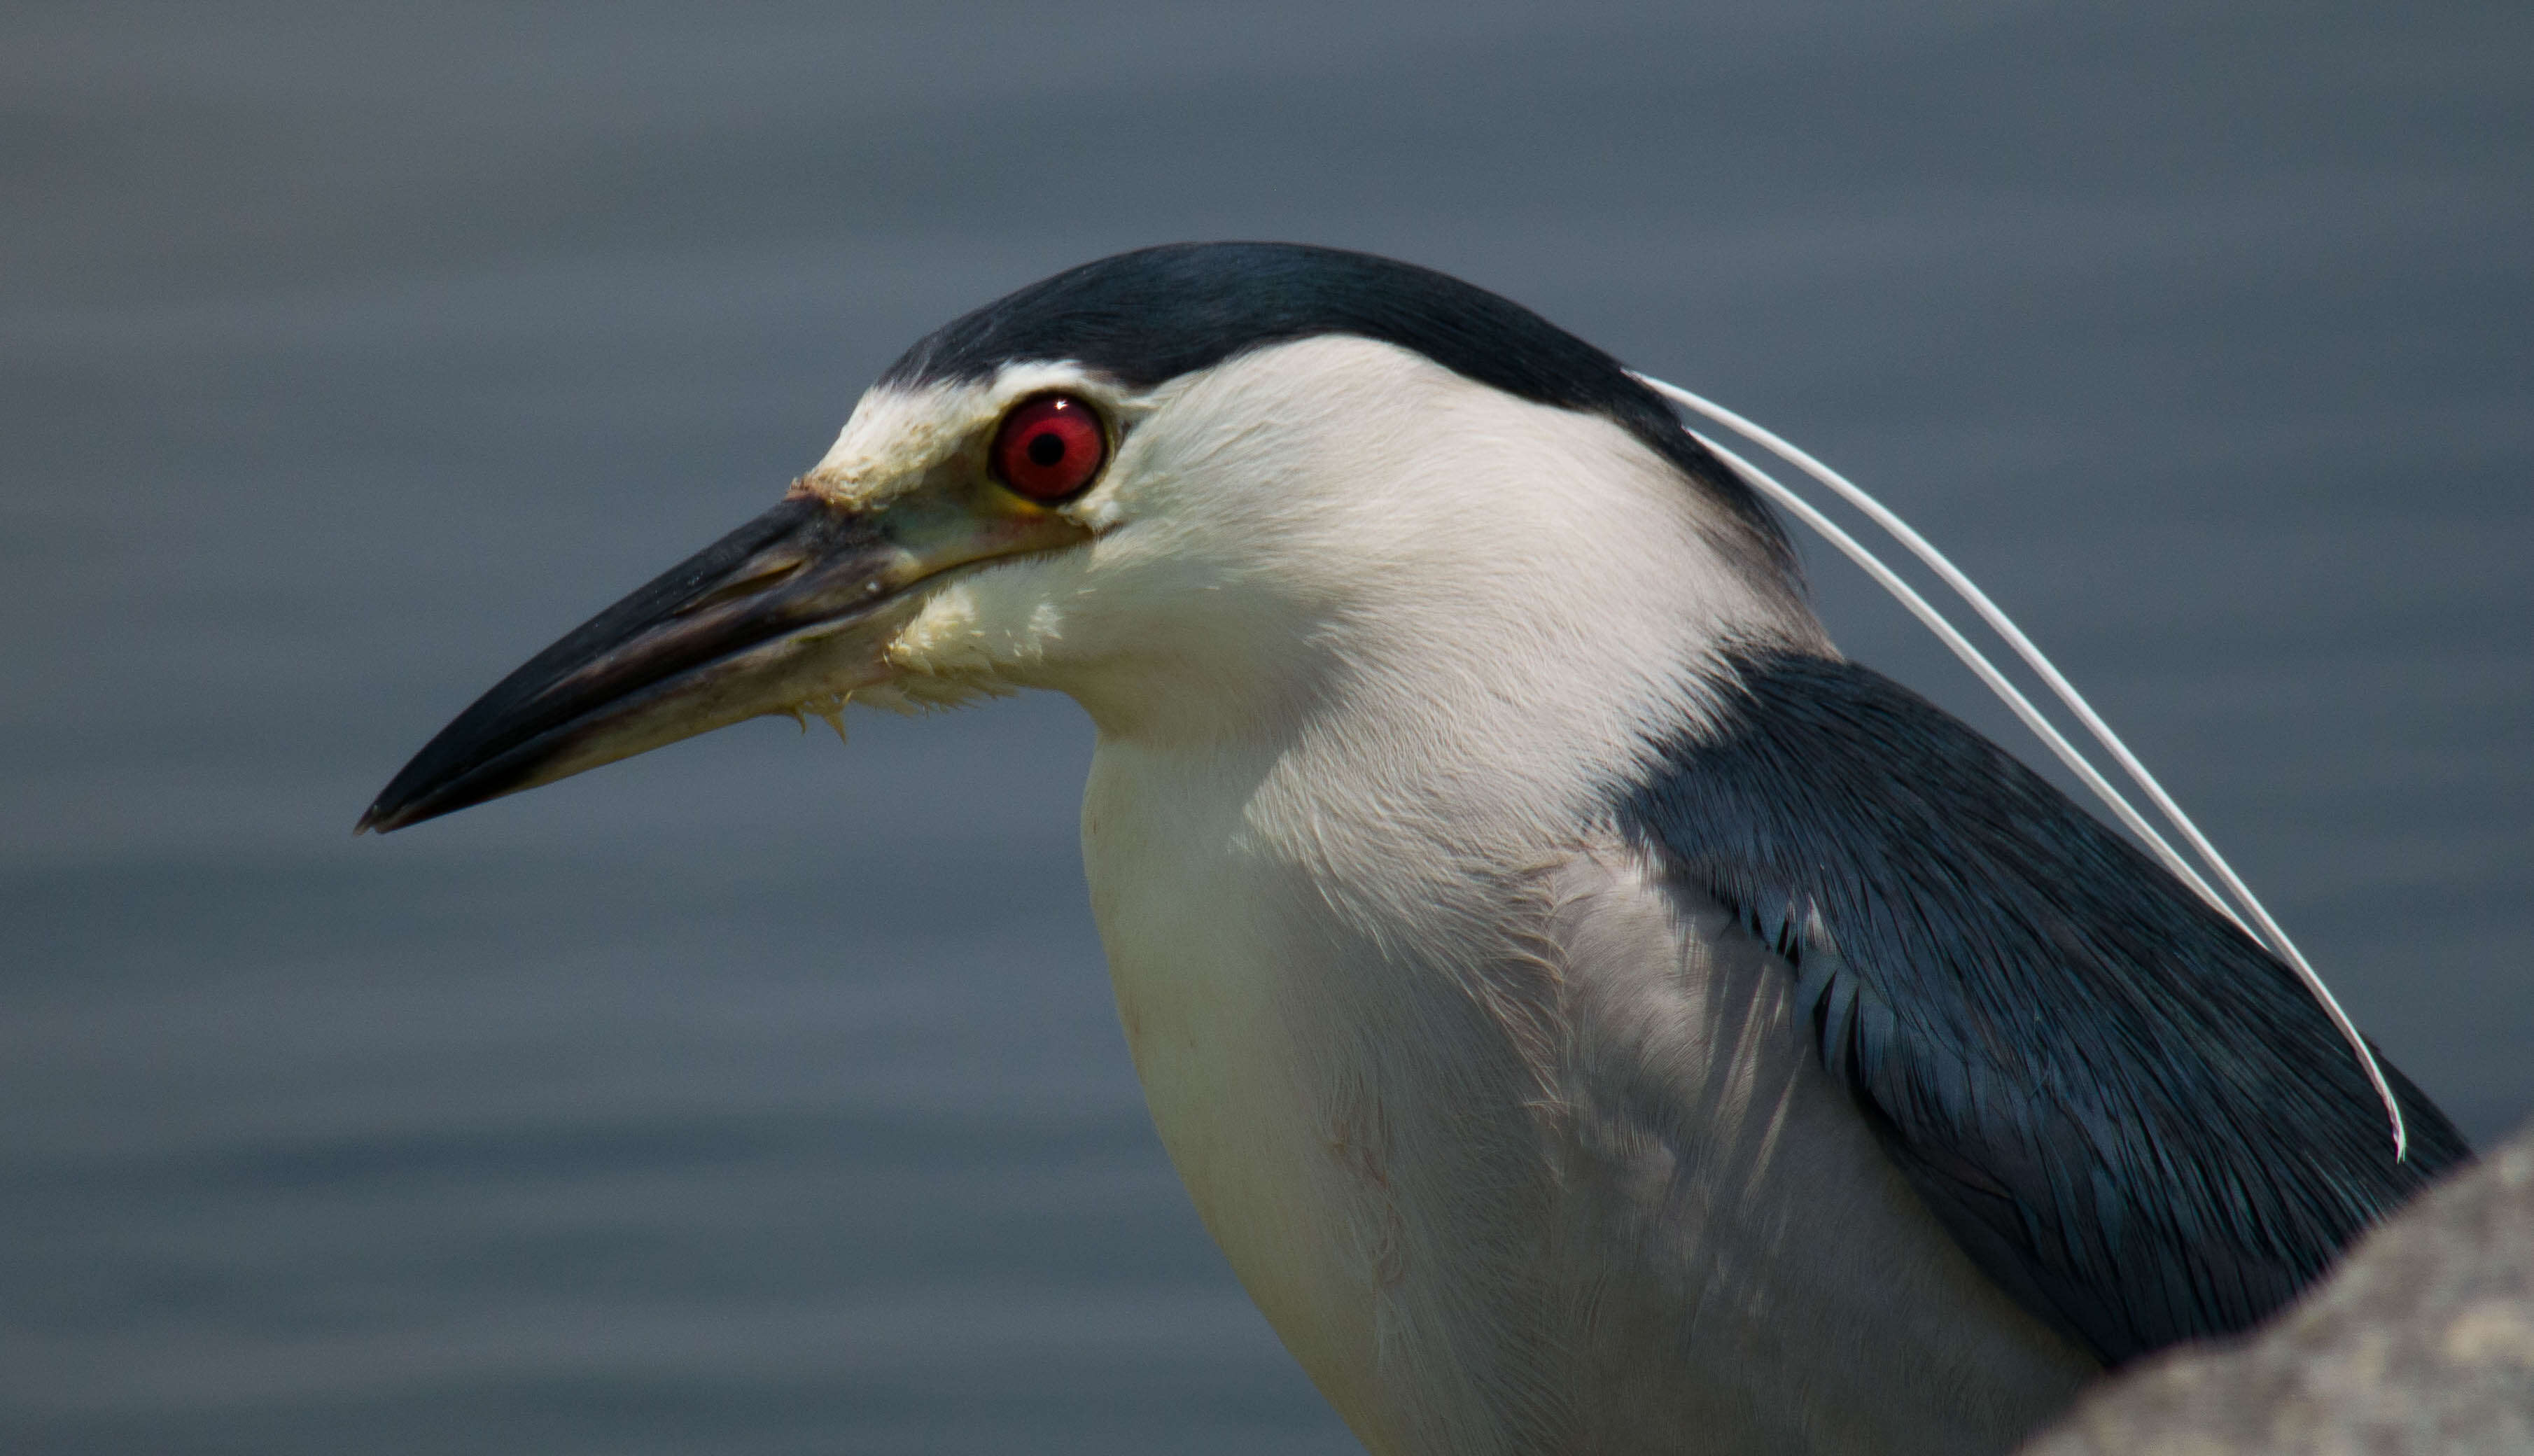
1050,447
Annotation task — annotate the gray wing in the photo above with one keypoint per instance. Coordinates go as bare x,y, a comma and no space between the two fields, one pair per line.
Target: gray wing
2132,1116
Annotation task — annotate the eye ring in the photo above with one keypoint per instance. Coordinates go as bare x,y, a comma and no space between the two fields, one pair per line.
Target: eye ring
1049,449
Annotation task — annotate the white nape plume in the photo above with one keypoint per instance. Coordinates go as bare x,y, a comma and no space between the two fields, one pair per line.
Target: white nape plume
2270,931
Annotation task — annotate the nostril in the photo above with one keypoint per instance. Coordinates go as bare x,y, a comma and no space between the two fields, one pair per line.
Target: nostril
764,579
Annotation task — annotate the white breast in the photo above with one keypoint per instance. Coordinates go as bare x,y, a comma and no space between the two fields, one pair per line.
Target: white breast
1198,930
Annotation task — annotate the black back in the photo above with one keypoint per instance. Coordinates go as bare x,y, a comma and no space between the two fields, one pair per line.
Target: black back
2129,1114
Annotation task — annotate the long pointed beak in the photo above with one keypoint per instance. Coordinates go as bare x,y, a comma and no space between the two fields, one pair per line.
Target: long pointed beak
796,607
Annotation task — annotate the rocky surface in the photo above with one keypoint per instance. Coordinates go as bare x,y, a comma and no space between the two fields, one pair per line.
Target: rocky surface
2422,1340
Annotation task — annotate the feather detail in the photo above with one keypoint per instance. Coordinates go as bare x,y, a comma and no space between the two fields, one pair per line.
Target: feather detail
2128,1111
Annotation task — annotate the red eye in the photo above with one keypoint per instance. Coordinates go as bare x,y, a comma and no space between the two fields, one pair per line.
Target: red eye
1050,447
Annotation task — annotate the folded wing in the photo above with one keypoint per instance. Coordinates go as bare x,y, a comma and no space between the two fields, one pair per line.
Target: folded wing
2132,1116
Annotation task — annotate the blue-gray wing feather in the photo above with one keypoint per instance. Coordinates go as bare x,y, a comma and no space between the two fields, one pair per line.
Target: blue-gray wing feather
2132,1116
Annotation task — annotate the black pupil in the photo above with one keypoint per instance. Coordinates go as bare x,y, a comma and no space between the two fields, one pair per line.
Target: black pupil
1045,448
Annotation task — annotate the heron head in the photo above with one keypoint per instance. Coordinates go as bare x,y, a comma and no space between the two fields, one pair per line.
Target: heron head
1198,489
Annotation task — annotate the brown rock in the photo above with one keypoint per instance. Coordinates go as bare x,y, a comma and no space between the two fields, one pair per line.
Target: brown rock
2422,1340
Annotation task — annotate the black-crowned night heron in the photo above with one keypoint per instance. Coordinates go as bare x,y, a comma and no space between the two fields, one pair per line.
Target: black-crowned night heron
1591,1014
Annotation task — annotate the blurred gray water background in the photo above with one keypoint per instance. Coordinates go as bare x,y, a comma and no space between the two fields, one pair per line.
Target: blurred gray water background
765,1097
